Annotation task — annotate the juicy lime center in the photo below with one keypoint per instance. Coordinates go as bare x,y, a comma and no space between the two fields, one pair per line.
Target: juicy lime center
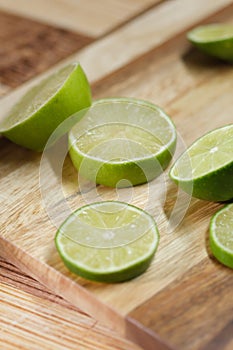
128,112
115,236
118,142
105,260
210,153
213,32
107,226
36,97
224,228
119,130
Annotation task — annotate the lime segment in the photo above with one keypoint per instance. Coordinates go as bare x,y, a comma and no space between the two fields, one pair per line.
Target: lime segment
108,241
221,235
205,168
122,138
34,118
214,39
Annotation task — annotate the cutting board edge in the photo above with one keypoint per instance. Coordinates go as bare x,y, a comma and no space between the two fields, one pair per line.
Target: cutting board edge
68,289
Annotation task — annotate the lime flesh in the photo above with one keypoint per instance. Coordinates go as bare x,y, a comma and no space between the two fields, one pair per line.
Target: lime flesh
214,39
205,169
221,235
34,118
108,241
122,139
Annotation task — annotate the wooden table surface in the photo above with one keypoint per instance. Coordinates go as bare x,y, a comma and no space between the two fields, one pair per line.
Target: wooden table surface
129,48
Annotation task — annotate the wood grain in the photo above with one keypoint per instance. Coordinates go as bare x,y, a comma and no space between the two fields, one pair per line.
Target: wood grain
205,292
222,340
131,42
29,322
12,276
90,17
28,48
3,89
182,282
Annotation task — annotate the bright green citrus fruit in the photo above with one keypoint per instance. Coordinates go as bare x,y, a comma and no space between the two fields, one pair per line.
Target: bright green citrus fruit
221,235
122,142
205,169
34,118
108,241
214,39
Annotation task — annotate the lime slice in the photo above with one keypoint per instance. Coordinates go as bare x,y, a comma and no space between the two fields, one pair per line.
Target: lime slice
221,235
122,142
34,118
108,241
205,169
214,39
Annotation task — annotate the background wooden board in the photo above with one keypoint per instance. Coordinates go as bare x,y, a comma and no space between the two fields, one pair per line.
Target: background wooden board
41,319
88,17
26,47
171,297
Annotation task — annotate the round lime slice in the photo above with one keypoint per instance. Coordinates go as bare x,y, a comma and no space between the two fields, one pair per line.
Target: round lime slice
108,241
122,142
214,39
221,235
34,118
205,169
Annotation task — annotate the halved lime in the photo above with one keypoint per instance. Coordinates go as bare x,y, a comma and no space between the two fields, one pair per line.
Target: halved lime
221,235
214,39
34,118
122,141
108,241
205,169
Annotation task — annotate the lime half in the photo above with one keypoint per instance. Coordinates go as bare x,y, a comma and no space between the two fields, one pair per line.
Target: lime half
214,39
122,142
221,235
34,118
205,169
108,241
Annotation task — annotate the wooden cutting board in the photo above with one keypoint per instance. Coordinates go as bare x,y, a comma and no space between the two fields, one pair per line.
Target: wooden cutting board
185,298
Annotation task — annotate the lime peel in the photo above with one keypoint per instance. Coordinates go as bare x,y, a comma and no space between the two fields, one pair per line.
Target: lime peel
83,247
205,169
122,138
221,235
214,39
41,110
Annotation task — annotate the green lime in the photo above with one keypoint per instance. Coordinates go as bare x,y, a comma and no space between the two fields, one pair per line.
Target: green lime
108,241
122,142
221,235
214,39
34,118
205,169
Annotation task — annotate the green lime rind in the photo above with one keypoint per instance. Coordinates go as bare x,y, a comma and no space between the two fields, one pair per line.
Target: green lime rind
34,130
215,185
111,175
223,254
208,187
216,45
135,172
107,277
113,274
